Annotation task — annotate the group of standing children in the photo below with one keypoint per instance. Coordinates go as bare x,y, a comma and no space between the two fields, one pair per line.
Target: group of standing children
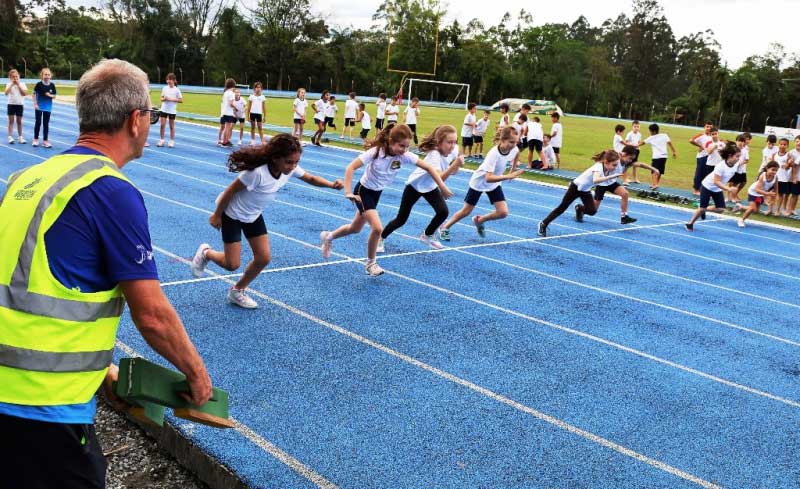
43,94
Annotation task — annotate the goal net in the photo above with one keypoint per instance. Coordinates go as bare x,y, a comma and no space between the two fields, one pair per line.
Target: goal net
436,93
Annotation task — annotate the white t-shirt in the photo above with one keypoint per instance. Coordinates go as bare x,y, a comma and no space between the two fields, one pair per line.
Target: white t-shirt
421,180
633,138
503,121
331,110
380,168
299,107
411,114
480,127
15,96
558,139
714,158
784,174
585,181
519,127
795,156
766,186
495,163
619,169
319,109
549,155
366,121
238,108
659,145
350,109
725,173
391,112
535,131
517,116
766,156
702,140
381,109
741,166
170,92
257,103
227,98
247,205
618,144
467,129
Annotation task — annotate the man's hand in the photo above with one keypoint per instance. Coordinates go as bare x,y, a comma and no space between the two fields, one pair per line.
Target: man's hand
116,402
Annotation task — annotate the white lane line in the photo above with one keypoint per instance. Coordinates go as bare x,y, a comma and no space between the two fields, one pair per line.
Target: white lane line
558,423
528,318
297,466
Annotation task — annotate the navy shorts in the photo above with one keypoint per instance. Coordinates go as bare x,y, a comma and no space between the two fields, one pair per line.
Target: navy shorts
473,196
477,139
15,110
466,141
784,187
535,145
795,188
600,190
227,119
758,199
255,117
232,229
660,164
706,195
369,198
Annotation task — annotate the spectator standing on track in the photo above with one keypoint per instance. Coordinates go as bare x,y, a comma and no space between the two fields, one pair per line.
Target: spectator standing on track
66,287
170,98
15,91
43,94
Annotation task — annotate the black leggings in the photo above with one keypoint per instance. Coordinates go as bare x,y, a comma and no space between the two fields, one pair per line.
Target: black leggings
410,197
572,193
413,128
41,114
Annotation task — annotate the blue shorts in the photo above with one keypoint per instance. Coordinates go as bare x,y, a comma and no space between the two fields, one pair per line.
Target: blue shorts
473,196
706,195
369,198
758,199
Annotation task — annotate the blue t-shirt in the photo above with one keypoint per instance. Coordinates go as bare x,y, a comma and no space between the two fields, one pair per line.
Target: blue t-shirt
45,103
100,239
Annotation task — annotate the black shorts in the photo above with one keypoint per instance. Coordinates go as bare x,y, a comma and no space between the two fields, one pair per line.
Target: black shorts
758,199
535,145
477,139
795,188
240,119
299,121
227,119
255,117
466,141
706,195
413,127
659,164
15,110
635,156
784,187
40,455
348,122
379,124
739,178
557,150
232,229
600,190
369,198
473,196
329,122
171,117
522,144
364,133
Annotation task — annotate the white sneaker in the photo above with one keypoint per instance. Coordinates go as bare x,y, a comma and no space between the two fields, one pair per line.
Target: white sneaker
430,241
373,269
200,261
10,140
21,140
35,143
146,144
240,298
326,244
740,222
381,248
171,143
239,143
160,143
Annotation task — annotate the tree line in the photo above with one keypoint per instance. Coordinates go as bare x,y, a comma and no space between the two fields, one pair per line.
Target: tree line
629,66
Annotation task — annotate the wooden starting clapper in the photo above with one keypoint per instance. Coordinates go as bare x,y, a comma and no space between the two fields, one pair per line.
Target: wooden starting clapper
150,388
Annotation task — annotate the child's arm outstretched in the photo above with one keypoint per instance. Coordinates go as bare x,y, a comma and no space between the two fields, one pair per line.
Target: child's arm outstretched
639,164
492,178
318,181
348,179
599,178
225,199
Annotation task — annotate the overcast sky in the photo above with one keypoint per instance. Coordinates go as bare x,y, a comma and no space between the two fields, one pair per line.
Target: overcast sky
742,27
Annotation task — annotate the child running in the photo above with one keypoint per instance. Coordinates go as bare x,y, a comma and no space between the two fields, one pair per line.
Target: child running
170,98
384,157
626,160
263,171
16,91
715,183
320,107
299,107
256,108
411,114
43,94
605,168
441,147
760,189
487,179
477,135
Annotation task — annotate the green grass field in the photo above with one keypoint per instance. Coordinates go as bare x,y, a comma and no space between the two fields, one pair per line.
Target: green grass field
583,137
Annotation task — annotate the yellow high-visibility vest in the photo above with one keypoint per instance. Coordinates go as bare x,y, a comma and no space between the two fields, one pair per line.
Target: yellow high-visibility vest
55,343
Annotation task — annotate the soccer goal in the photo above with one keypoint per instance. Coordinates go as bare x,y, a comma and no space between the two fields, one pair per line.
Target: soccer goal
438,93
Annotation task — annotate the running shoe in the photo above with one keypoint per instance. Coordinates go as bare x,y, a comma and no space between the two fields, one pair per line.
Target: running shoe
10,140
740,223
240,298
35,143
444,234
47,145
373,269
578,212
171,143
626,219
160,143
326,244
431,241
689,227
703,215
380,248
21,140
199,261
542,231
479,226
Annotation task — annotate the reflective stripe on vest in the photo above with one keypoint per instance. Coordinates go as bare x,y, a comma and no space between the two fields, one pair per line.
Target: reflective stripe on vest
43,361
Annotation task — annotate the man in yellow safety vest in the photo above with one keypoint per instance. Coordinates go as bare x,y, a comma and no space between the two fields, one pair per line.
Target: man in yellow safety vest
74,248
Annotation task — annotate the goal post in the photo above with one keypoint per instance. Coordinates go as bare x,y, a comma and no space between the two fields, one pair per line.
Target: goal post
446,94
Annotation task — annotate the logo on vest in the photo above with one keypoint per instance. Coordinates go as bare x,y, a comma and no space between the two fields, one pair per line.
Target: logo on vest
396,165
27,191
146,255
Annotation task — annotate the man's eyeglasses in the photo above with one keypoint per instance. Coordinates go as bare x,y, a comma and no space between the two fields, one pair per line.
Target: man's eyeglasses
155,114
